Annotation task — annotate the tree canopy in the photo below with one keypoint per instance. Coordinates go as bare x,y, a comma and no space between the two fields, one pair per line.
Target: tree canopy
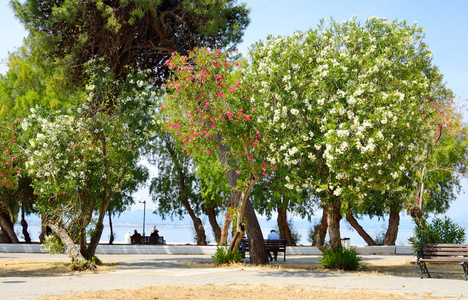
345,106
137,33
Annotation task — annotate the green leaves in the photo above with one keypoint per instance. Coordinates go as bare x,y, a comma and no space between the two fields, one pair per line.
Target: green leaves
342,103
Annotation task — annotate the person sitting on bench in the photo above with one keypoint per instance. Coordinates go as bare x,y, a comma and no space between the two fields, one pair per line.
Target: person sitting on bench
273,236
136,237
154,236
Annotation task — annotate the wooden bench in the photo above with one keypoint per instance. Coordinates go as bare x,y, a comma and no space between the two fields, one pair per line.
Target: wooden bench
442,253
270,246
149,240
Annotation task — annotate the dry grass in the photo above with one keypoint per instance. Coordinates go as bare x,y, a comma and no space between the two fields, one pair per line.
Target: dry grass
236,292
381,268
33,268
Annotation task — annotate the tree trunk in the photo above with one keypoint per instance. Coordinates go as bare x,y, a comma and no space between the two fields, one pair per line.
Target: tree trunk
354,223
107,195
225,230
258,254
94,242
210,211
392,230
320,231
285,231
197,223
45,229
70,246
333,219
7,226
111,239
24,224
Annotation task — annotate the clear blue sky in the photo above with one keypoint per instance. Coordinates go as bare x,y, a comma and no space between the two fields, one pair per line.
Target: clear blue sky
445,23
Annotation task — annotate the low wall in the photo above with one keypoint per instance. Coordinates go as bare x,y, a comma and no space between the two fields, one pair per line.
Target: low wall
201,250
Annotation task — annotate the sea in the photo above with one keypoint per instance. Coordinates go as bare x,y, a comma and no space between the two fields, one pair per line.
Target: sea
181,230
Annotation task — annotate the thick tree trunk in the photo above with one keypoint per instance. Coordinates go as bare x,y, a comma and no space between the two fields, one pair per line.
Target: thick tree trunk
320,231
24,224
392,230
354,223
111,238
210,211
198,225
258,255
285,231
334,218
7,226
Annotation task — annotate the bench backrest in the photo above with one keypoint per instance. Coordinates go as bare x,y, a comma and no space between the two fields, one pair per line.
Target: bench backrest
444,250
275,244
269,244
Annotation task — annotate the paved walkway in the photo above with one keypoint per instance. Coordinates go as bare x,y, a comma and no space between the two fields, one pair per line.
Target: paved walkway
150,270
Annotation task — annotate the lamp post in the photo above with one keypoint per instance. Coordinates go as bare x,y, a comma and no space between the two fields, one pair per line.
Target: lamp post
144,214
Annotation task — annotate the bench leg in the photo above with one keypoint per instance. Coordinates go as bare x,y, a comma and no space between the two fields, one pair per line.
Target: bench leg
423,269
465,267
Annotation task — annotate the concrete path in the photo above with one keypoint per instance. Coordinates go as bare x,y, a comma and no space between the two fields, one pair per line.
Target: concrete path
150,270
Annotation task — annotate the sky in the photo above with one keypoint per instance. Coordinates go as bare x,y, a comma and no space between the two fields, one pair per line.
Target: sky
445,24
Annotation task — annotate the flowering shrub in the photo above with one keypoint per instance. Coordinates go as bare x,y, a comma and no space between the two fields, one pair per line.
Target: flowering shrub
207,105
345,106
81,157
12,155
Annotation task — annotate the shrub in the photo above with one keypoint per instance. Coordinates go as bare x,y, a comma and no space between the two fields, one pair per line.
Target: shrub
379,237
439,231
342,259
310,235
224,256
83,265
53,244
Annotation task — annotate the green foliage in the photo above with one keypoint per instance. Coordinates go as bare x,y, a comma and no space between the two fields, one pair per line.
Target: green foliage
233,212
32,80
341,259
224,256
85,155
79,30
53,244
439,231
310,235
327,118
379,237
83,265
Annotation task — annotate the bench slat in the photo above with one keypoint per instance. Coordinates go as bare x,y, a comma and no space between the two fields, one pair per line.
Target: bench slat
444,259
445,253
